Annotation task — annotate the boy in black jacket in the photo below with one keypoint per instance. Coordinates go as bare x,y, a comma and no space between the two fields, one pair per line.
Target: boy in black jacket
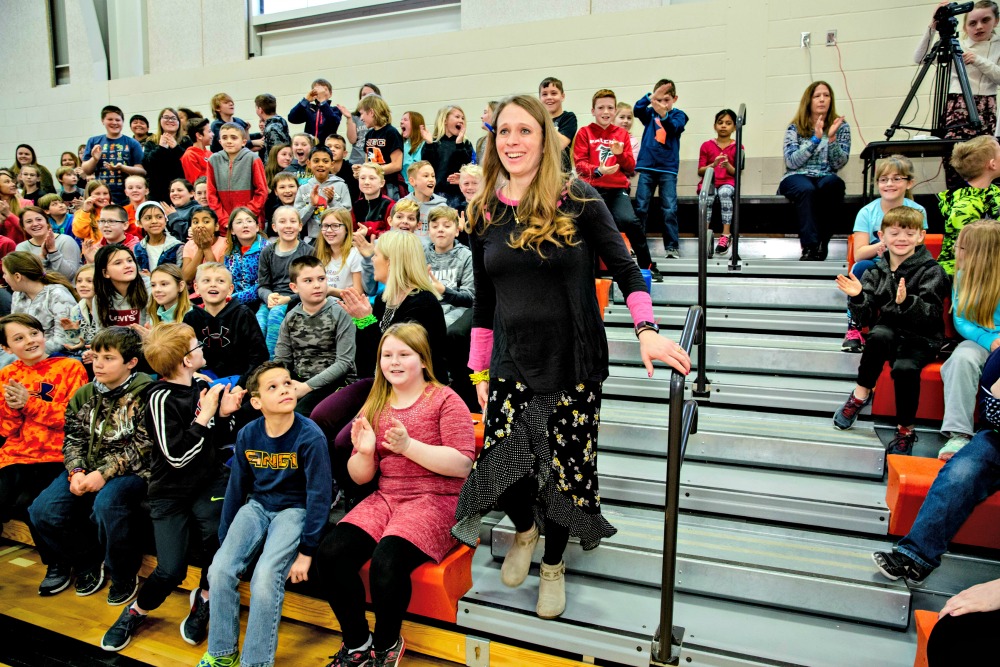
228,331
187,422
902,301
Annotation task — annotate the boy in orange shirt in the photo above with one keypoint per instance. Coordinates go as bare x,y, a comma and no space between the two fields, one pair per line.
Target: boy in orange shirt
36,390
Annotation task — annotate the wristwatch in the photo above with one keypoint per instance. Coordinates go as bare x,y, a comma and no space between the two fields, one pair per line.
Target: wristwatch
646,326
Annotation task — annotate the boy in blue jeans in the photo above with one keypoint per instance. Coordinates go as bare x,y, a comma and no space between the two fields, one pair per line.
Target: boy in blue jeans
659,158
283,461
106,452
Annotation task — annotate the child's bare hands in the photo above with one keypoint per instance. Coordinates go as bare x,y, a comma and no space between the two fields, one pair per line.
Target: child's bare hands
426,135
361,242
438,285
92,482
363,436
272,299
849,284
453,178
346,113
397,440
617,147
461,133
608,169
210,399
901,292
315,198
96,152
76,483
15,395
231,400
300,569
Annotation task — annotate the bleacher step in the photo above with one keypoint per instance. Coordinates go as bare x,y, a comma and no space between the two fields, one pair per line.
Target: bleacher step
779,567
751,266
768,248
820,396
755,353
723,319
837,503
748,292
615,621
792,442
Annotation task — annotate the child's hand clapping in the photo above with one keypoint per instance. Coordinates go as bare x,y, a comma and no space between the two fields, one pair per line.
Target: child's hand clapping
901,292
361,242
617,147
231,400
363,436
15,395
397,440
426,135
849,284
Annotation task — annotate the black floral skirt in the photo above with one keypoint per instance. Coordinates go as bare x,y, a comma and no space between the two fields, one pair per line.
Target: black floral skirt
551,438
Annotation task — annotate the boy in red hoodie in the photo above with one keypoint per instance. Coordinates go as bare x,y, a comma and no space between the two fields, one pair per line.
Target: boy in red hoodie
603,156
194,162
235,176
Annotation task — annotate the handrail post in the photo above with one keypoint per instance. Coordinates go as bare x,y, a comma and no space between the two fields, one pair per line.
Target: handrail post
741,120
705,199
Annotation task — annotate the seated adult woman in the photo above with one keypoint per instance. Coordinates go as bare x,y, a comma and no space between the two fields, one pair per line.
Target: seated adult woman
399,262
817,145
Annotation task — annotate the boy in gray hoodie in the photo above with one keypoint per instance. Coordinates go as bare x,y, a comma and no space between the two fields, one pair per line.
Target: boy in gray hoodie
450,266
324,190
422,180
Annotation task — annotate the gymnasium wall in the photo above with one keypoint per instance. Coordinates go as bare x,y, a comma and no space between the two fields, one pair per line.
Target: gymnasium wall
720,52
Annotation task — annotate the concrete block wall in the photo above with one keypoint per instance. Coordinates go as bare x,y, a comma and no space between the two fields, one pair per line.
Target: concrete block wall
720,52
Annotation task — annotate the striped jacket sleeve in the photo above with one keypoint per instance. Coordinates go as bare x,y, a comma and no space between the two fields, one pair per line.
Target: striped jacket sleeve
177,437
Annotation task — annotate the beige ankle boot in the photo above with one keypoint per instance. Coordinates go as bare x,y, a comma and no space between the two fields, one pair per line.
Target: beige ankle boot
551,590
518,560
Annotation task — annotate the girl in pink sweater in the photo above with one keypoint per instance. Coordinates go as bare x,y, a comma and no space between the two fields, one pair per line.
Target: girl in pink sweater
417,436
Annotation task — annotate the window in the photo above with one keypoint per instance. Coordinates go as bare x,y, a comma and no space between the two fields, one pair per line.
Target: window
59,42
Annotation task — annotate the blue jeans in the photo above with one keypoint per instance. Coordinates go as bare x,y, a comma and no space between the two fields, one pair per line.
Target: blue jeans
275,535
84,530
648,182
970,477
818,201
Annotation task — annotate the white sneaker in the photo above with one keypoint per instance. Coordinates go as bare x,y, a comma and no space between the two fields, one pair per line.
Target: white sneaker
955,443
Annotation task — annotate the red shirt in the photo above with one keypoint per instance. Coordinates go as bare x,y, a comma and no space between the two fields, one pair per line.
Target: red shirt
592,148
709,151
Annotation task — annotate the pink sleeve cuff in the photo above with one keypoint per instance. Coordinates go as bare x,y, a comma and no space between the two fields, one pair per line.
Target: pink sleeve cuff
640,306
481,348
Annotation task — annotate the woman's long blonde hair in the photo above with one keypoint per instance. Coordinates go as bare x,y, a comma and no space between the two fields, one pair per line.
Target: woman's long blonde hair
183,302
407,266
324,251
413,336
977,281
803,117
541,218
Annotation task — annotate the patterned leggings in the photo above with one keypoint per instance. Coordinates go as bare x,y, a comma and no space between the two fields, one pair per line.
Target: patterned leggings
269,320
725,193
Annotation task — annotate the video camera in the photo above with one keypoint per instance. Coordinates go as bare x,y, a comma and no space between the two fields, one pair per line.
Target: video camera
945,17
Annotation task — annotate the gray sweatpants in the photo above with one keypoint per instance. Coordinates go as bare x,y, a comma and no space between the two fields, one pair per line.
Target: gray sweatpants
961,373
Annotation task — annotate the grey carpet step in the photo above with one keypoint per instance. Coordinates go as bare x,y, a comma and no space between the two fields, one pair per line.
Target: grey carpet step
779,567
754,353
821,396
723,319
836,503
614,621
751,265
767,248
790,442
749,292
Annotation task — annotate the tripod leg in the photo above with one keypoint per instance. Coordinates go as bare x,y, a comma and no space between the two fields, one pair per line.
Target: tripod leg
929,59
963,80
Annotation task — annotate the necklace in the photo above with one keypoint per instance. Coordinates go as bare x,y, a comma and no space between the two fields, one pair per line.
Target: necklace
513,209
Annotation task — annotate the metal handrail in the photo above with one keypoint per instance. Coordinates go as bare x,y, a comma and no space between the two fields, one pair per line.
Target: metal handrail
741,120
683,422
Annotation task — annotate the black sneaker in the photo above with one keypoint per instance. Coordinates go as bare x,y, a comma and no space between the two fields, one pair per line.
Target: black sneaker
194,628
722,247
57,579
122,591
120,634
847,415
346,658
657,276
391,656
902,444
894,565
90,581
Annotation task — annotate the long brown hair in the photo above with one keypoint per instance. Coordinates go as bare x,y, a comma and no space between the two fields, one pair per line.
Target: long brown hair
803,117
13,202
324,251
413,336
178,135
977,281
232,243
416,139
183,302
272,168
31,268
104,289
541,218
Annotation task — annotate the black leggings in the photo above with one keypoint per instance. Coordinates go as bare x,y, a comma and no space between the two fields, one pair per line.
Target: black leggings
338,561
963,640
518,503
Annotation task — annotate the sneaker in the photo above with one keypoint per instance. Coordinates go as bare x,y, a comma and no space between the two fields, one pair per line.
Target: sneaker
722,247
122,592
347,658
90,581
673,253
57,579
391,656
955,443
120,634
853,342
231,660
657,276
902,444
894,565
194,628
845,417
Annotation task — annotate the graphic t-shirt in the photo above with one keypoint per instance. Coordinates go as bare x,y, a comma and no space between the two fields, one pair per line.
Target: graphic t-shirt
566,125
380,144
123,150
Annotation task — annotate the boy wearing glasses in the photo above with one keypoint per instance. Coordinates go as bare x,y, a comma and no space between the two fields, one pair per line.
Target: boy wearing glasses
316,338
113,224
188,423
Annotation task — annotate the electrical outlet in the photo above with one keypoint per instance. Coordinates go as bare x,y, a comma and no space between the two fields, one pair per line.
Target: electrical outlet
831,38
805,40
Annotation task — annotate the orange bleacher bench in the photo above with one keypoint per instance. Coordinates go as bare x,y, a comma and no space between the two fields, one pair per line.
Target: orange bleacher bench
603,286
925,623
931,241
910,479
601,266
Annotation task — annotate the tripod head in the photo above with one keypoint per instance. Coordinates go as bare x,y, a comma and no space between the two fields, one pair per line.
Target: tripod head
945,19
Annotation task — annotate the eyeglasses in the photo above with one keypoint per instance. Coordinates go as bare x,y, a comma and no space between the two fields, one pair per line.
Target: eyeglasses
109,221
173,118
332,227
197,347
892,179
